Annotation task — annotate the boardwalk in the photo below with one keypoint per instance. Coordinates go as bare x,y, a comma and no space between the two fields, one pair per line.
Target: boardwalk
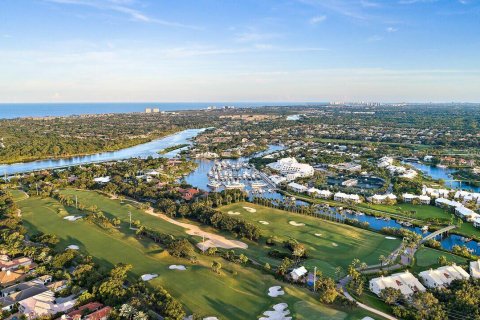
436,233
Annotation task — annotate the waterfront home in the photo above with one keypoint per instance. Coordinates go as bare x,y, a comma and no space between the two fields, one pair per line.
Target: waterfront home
404,281
383,198
476,222
408,198
292,166
298,273
466,214
297,187
314,192
188,194
443,276
475,269
466,196
343,197
436,193
384,162
448,204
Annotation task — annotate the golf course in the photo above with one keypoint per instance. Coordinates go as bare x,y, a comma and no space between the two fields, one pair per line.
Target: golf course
238,291
328,244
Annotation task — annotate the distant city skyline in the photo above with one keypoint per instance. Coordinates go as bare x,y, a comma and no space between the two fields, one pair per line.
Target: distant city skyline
248,50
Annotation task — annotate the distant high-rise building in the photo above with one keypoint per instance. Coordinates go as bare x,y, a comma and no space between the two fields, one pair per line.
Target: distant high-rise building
148,110
156,110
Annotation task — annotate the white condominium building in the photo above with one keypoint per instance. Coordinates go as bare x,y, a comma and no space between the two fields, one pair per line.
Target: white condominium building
290,166
405,282
443,276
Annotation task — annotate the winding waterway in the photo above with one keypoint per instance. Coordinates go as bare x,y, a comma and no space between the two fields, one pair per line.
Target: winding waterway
199,178
139,151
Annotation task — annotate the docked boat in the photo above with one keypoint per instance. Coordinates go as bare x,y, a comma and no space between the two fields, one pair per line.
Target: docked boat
258,184
234,185
214,184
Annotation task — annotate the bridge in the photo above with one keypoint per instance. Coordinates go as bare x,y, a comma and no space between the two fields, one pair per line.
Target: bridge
433,235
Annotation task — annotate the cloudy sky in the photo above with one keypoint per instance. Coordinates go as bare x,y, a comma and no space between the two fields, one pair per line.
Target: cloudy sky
239,50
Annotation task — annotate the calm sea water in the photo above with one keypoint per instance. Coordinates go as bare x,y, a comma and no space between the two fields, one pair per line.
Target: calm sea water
18,110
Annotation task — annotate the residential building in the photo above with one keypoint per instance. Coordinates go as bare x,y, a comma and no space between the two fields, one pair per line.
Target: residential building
7,264
475,269
383,198
45,304
404,281
297,187
292,166
443,276
343,197
298,273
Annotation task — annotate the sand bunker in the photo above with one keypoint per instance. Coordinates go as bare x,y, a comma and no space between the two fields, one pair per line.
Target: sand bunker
177,267
210,318
263,222
280,312
334,244
72,218
318,234
148,276
275,291
251,210
391,238
368,318
214,240
297,224
73,247
233,213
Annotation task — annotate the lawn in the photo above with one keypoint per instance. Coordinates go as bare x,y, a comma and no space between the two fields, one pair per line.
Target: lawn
426,258
238,293
328,244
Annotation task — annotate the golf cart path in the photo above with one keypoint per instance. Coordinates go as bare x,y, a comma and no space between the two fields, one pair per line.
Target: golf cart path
214,240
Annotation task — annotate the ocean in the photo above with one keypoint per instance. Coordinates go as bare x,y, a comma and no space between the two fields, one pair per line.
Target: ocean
20,110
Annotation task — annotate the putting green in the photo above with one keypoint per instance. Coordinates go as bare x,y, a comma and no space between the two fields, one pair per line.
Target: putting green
238,293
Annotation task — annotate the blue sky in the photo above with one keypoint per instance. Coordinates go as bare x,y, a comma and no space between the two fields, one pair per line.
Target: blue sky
239,50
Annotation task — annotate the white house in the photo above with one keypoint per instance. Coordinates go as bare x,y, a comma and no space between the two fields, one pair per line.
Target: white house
325,194
408,198
382,198
465,213
297,187
45,304
405,282
343,197
102,180
475,269
443,276
314,192
424,199
297,273
436,193
292,166
276,179
476,222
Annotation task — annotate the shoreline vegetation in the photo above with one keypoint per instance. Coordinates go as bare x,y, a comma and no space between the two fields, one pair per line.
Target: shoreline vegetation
173,148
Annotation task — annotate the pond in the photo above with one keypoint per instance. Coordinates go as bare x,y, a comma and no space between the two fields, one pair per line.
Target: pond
444,174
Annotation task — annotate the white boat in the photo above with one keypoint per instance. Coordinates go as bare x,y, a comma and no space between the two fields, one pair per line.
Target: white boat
258,184
234,185
214,184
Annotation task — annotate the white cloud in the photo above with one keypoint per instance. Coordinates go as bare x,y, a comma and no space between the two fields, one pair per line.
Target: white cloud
391,29
255,36
123,7
317,19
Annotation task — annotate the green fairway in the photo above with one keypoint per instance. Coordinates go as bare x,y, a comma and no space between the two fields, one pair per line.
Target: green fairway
238,293
328,244
426,258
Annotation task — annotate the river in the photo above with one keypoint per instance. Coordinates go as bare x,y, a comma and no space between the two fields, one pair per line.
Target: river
142,150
